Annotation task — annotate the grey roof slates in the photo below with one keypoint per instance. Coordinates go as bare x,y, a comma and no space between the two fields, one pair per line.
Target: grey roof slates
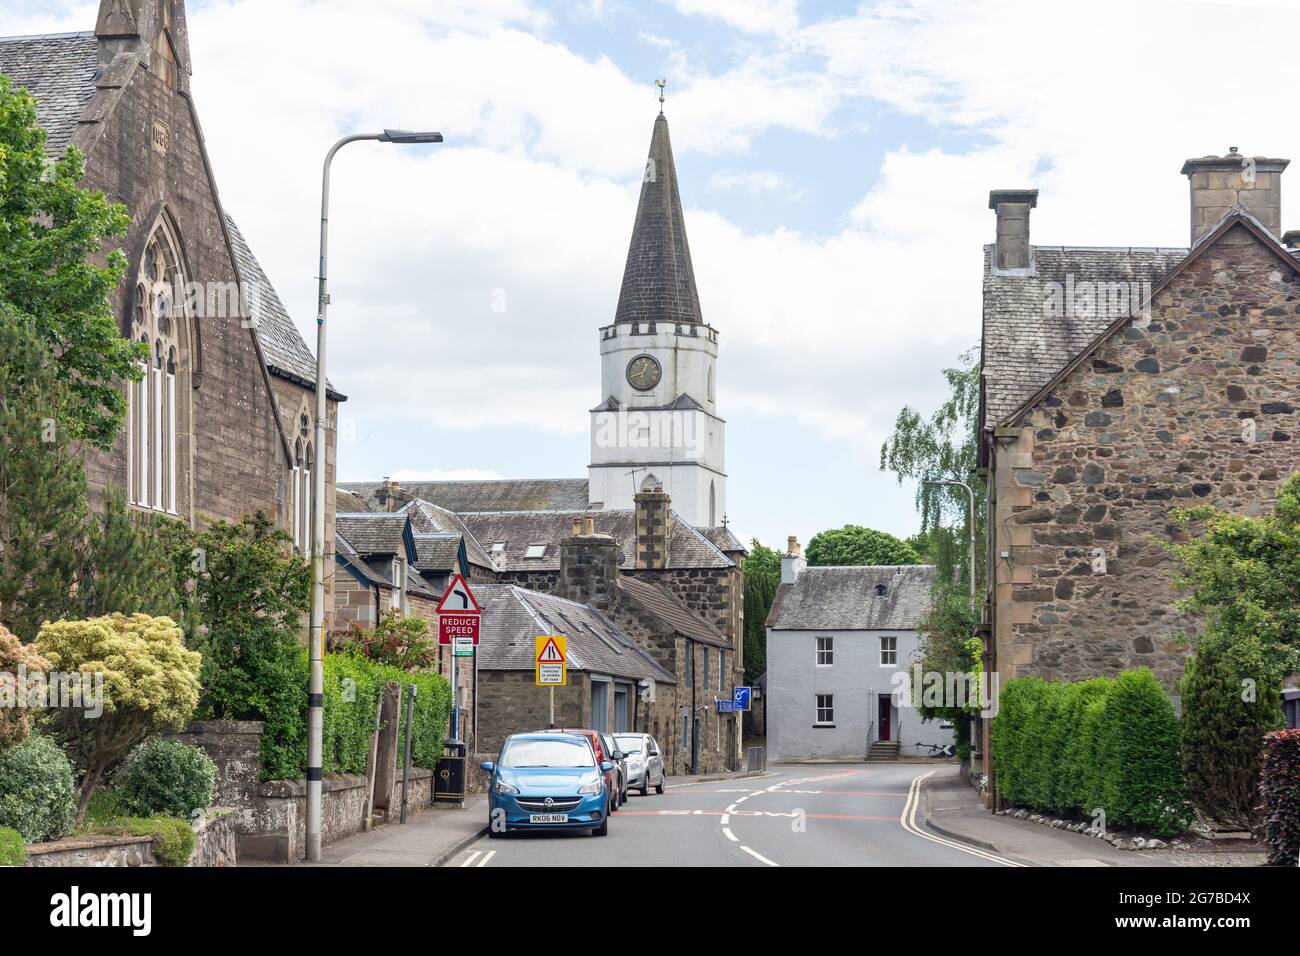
59,70
658,278
510,624
722,539
282,344
500,494
845,599
671,611
687,547
437,551
369,533
1023,345
426,517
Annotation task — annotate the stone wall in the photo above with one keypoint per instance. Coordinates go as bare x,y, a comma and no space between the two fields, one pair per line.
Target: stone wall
214,846
235,748
510,702
1157,417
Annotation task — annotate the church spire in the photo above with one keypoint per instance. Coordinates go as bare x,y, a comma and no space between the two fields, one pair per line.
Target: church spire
658,279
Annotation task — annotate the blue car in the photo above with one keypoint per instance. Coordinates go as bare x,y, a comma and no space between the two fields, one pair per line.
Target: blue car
548,782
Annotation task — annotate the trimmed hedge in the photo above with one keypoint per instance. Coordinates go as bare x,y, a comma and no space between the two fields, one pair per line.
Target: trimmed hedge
1279,790
1098,744
165,777
38,797
352,688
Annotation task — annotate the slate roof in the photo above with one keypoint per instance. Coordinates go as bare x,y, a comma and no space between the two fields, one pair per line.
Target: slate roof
670,611
343,551
428,518
513,617
502,494
722,539
59,70
286,353
845,599
658,278
347,501
1024,346
373,533
437,551
687,547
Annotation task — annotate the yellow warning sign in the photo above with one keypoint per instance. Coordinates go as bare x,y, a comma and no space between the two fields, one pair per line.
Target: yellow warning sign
552,661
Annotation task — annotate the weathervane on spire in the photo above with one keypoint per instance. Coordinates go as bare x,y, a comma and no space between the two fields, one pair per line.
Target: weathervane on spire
661,83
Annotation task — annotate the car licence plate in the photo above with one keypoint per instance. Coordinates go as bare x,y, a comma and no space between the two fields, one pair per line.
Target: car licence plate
548,818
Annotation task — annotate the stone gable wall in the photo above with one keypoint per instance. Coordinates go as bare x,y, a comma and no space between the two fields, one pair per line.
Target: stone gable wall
1152,421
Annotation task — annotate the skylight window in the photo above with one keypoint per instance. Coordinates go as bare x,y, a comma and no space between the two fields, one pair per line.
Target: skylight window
535,551
498,547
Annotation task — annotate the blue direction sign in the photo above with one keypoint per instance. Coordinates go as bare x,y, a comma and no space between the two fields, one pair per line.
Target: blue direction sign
725,706
740,697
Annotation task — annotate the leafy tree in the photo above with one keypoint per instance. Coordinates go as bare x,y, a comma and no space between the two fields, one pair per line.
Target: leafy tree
244,597
1244,573
399,641
42,483
947,647
127,566
855,545
51,233
15,723
943,447
762,575
150,684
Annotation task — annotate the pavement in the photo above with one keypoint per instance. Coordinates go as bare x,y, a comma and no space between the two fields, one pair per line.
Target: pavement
428,838
953,810
826,815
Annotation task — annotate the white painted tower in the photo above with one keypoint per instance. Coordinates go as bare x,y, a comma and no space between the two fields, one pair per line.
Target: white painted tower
659,415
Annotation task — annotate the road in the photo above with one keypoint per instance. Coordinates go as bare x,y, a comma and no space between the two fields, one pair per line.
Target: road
824,815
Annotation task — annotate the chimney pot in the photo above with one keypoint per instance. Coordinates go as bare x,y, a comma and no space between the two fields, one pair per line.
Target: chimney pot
1011,250
577,527
588,525
792,545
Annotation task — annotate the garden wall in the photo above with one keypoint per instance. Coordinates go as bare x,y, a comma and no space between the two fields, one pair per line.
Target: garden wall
214,845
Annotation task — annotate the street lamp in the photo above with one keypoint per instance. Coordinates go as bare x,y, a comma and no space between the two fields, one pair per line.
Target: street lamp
316,637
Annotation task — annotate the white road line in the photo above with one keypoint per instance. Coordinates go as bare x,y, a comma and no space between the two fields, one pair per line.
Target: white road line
732,807
487,856
469,860
758,856
908,822
729,835
726,818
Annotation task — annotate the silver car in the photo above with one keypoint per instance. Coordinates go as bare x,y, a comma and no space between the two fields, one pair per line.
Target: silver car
645,763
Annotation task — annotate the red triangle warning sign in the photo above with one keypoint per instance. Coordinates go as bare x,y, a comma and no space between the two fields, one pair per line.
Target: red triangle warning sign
459,599
551,653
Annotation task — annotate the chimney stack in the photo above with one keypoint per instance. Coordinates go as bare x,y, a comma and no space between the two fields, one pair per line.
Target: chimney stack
589,566
793,562
651,517
386,495
1220,182
1011,251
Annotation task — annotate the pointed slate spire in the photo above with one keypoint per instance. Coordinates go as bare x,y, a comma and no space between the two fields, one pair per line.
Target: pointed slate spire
658,280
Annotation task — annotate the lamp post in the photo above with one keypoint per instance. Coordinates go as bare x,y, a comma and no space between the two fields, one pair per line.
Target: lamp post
316,637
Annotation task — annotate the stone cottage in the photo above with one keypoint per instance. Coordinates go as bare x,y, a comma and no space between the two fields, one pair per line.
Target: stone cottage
1117,385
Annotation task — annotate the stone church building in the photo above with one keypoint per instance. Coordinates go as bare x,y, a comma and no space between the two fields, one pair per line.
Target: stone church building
1117,385
639,548
222,422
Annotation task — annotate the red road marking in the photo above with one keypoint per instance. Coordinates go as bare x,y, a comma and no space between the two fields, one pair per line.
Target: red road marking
776,814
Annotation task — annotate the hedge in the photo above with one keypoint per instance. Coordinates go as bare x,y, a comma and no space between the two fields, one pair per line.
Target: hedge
38,796
1279,790
13,852
1099,744
352,687
165,777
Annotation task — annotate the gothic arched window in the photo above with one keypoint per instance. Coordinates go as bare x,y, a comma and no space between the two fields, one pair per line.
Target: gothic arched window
300,487
153,426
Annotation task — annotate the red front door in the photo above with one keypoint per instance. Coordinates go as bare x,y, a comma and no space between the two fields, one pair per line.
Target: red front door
885,708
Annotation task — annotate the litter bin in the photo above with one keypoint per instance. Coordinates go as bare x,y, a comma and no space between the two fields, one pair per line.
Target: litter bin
449,781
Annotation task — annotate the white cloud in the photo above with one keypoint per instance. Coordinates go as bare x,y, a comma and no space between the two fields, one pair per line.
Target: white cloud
752,181
752,16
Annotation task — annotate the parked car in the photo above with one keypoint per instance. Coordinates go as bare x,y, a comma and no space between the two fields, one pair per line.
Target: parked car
616,752
644,761
548,782
615,777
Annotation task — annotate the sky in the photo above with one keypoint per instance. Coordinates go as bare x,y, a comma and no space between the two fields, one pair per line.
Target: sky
834,160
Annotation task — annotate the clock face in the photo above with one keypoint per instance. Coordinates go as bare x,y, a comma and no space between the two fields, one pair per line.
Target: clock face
643,372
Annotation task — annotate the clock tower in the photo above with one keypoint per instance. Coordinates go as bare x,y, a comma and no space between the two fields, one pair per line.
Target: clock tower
658,423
